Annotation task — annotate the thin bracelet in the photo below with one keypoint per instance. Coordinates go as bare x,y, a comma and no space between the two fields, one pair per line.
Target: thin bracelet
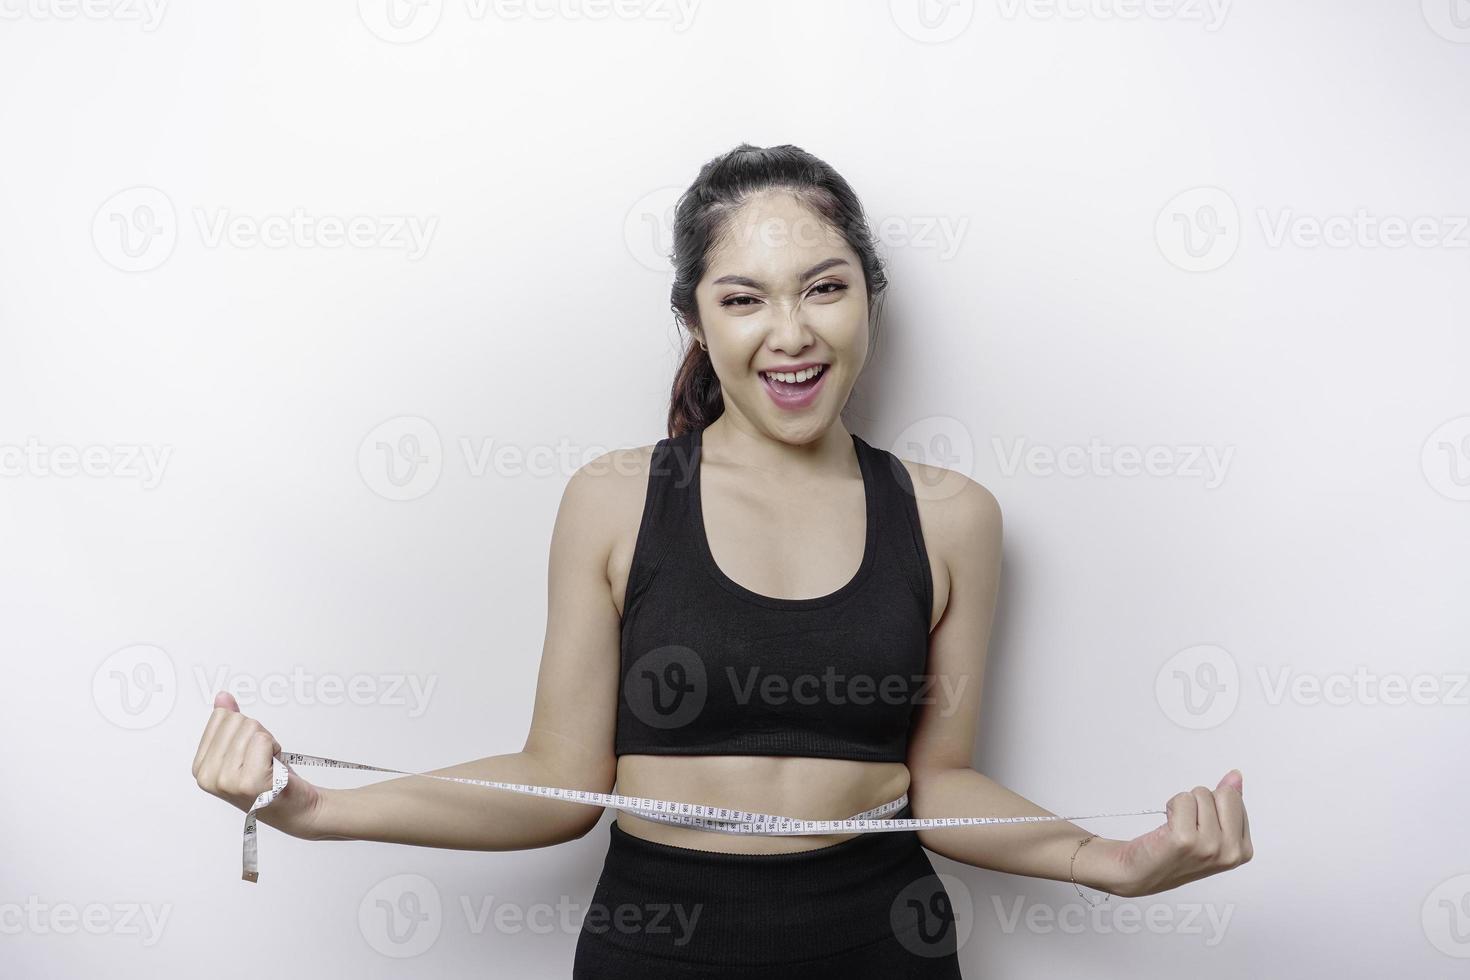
1072,873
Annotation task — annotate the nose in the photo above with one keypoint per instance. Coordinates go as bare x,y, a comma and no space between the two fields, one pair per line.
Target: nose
789,332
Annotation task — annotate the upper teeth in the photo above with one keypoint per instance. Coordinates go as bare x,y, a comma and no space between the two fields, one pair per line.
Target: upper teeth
796,377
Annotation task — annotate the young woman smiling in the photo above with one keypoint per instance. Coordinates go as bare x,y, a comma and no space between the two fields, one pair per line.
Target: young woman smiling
764,612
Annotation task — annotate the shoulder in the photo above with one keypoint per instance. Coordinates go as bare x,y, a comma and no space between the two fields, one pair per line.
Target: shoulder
953,508
616,476
605,493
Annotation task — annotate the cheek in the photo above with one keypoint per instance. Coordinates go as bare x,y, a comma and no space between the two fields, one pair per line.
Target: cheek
842,324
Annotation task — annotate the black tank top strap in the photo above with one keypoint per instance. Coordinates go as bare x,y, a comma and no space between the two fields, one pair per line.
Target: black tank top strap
904,534
666,512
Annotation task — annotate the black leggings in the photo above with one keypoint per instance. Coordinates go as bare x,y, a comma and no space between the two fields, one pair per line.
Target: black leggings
869,906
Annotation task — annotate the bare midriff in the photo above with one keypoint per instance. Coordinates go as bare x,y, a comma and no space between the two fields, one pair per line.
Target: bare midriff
788,786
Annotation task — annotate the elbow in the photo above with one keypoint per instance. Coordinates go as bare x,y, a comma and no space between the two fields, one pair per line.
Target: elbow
584,826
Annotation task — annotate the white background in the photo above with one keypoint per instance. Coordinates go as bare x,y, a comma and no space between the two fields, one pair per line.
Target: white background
1050,288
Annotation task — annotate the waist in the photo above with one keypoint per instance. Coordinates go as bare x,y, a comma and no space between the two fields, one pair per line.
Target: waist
789,786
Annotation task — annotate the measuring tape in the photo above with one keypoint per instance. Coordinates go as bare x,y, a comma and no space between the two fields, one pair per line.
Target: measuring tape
719,819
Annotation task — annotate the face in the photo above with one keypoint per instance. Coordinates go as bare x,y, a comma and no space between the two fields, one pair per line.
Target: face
784,292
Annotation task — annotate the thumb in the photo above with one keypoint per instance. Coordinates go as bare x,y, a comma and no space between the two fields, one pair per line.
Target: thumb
224,699
1234,780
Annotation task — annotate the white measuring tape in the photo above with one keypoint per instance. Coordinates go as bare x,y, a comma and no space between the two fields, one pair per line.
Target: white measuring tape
719,819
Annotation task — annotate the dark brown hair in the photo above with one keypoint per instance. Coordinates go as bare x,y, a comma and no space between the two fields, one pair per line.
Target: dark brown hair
702,216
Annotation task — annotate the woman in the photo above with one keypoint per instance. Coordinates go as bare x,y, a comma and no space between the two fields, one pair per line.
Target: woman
759,612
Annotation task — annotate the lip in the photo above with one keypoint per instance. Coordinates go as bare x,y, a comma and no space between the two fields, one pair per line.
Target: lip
802,366
795,403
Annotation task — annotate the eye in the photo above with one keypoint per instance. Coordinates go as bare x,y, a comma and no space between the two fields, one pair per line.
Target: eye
735,300
836,286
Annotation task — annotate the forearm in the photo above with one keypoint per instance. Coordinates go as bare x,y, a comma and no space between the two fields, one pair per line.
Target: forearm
440,813
1042,849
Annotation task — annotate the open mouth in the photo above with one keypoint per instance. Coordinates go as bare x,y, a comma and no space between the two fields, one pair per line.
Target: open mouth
792,384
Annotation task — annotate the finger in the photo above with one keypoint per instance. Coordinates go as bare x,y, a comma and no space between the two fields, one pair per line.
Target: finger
239,747
211,729
232,756
224,705
211,764
1206,818
1182,809
257,761
1231,810
1248,849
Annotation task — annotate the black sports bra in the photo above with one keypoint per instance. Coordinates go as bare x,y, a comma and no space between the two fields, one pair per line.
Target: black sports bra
709,667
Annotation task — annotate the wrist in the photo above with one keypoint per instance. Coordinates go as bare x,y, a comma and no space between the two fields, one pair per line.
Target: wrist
317,822
1099,865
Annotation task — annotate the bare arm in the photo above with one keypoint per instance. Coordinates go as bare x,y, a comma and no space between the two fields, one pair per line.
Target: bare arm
1206,832
571,734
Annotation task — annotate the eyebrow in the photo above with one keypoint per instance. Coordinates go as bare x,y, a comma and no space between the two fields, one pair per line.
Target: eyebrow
817,269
